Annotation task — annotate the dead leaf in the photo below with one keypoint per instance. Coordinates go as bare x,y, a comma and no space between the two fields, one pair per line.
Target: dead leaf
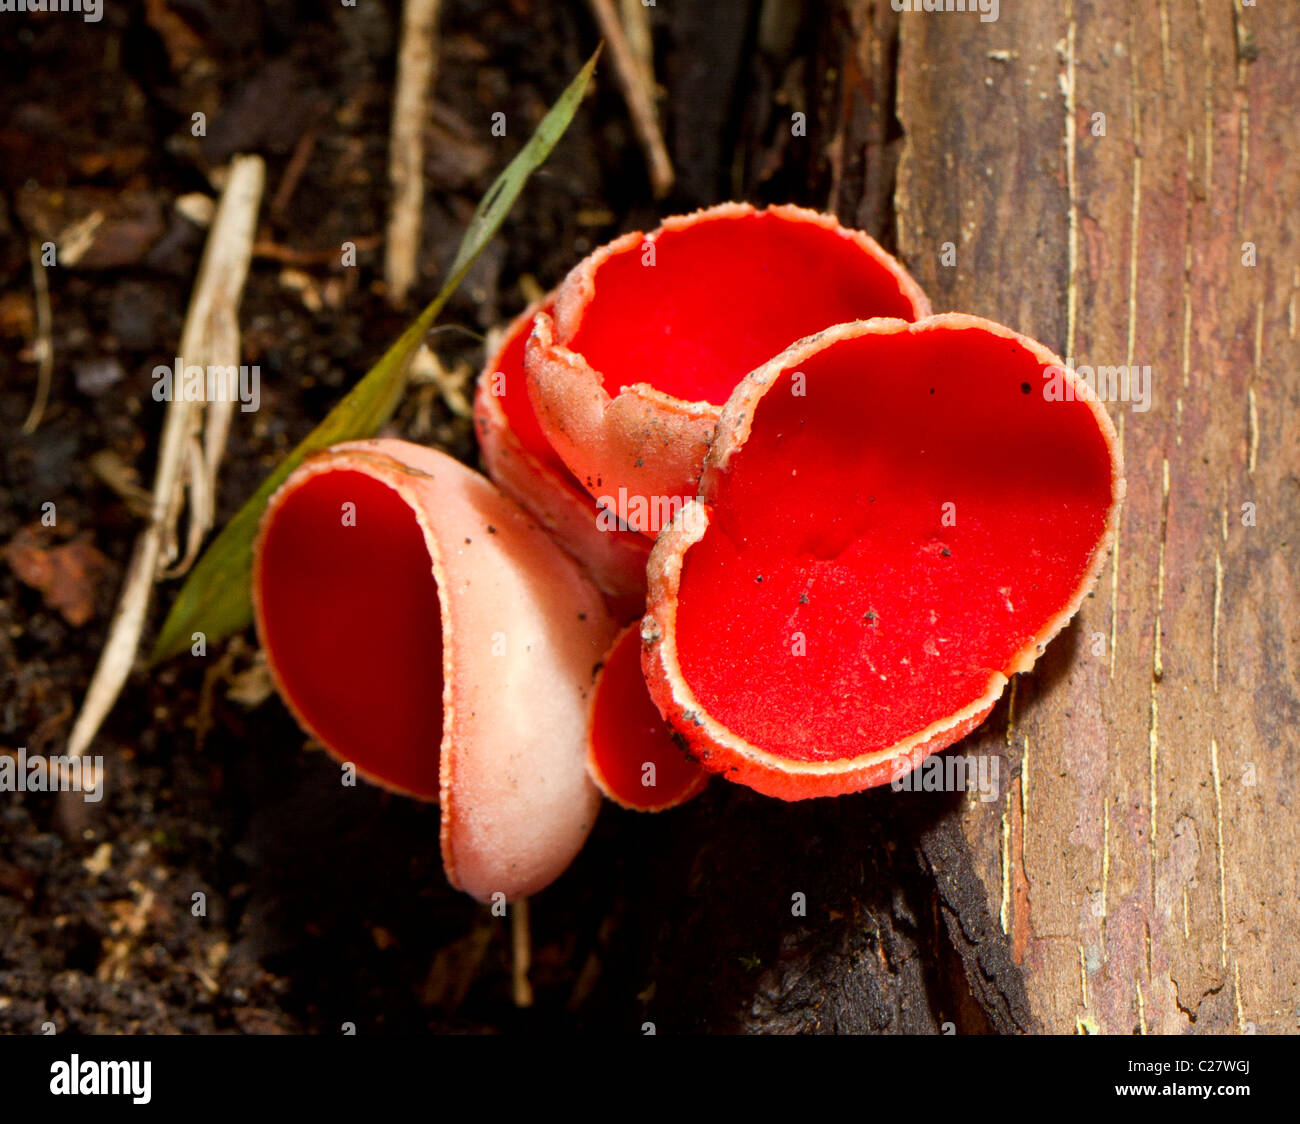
182,43
93,227
67,576
17,315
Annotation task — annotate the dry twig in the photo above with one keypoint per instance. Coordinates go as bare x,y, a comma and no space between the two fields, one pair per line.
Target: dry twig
636,26
210,337
638,90
522,947
44,341
417,61
287,255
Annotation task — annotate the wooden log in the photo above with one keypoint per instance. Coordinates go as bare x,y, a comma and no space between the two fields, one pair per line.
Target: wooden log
1121,184
1135,874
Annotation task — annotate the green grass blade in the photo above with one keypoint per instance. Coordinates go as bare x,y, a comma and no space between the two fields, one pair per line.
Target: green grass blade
215,597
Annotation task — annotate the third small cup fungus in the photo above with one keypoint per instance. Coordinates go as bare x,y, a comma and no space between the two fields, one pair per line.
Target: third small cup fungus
425,629
651,333
631,754
522,463
893,519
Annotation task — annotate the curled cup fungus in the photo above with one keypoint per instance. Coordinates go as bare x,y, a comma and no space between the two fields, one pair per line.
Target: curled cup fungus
422,627
631,754
893,519
523,464
651,333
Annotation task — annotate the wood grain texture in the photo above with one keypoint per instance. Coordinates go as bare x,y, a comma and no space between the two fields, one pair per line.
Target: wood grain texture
1142,858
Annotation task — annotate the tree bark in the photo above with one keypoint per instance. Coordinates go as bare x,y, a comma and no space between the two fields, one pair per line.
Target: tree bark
1104,178
1134,861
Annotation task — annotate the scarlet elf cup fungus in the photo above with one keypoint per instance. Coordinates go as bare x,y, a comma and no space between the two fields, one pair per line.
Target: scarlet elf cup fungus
631,754
893,519
523,464
424,628
651,333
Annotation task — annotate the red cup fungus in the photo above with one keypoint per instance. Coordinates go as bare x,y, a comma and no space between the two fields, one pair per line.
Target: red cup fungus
893,519
524,465
650,334
865,527
631,752
422,626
